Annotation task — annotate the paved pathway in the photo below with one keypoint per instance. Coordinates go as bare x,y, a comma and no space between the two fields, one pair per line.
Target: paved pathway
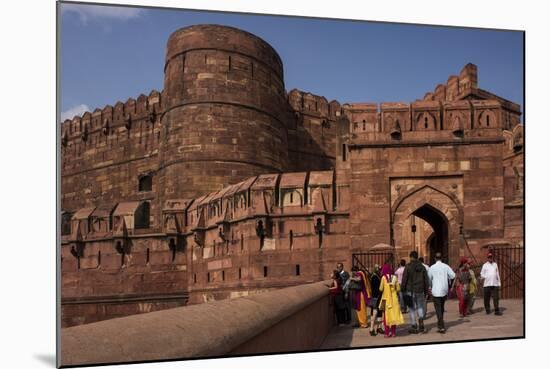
476,326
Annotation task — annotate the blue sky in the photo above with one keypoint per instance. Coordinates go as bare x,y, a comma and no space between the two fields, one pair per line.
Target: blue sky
113,53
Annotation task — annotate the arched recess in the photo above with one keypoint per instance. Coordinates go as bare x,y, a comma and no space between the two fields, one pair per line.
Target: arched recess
441,210
517,140
508,140
292,198
425,121
487,119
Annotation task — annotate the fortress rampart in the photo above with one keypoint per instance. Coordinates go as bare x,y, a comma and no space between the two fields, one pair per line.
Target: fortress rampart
225,113
225,185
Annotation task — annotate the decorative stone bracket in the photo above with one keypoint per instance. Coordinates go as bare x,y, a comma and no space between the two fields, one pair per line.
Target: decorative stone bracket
260,229
152,117
84,135
198,236
263,229
223,230
77,249
176,243
395,131
128,122
122,246
458,127
105,127
320,228
65,139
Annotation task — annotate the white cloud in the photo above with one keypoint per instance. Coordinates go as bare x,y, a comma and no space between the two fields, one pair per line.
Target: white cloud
87,12
75,110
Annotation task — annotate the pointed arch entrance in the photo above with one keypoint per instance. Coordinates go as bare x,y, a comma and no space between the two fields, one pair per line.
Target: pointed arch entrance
442,216
438,240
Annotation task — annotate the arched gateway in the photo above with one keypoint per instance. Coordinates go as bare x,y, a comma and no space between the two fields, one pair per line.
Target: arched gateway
442,211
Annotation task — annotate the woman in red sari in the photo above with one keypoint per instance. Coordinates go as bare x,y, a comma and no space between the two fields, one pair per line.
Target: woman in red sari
461,284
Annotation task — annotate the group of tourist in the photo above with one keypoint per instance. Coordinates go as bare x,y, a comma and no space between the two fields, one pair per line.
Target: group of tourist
389,295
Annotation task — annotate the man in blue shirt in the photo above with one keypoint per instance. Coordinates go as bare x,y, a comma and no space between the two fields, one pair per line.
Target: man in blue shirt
440,274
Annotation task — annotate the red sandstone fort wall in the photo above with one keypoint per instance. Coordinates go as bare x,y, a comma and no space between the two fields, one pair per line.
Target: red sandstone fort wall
313,132
104,153
461,162
514,185
225,185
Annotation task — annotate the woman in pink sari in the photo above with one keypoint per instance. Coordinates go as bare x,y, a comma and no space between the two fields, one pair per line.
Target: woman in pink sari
461,285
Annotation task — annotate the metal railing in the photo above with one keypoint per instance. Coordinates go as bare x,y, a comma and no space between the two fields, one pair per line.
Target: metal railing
367,260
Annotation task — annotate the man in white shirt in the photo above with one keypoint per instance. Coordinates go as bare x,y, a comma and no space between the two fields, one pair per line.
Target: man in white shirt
440,274
491,284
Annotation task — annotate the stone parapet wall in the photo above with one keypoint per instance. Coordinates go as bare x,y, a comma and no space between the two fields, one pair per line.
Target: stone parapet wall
270,322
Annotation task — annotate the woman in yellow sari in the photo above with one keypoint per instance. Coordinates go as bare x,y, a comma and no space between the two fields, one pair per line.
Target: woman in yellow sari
389,301
363,293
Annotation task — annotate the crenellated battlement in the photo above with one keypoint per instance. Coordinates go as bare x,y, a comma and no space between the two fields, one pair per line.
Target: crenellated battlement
456,87
425,116
106,119
313,105
465,87
314,130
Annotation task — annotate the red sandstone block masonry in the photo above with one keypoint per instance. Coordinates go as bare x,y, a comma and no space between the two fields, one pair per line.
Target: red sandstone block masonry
223,184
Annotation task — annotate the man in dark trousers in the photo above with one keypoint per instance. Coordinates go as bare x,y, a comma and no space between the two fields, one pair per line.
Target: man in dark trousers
491,284
344,277
416,285
440,275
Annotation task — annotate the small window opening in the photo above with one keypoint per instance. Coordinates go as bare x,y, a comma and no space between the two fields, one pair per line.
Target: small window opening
240,273
143,216
344,152
208,277
145,183
425,122
291,197
265,271
172,246
487,120
291,237
99,258
297,269
195,278
242,242
66,224
147,256
223,275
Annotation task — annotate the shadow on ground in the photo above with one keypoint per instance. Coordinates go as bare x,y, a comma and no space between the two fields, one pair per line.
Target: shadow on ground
48,359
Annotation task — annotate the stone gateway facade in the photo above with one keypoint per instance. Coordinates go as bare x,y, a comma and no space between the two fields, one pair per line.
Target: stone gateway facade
224,184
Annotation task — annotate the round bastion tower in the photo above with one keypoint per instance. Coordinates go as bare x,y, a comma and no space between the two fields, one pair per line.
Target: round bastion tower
224,111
